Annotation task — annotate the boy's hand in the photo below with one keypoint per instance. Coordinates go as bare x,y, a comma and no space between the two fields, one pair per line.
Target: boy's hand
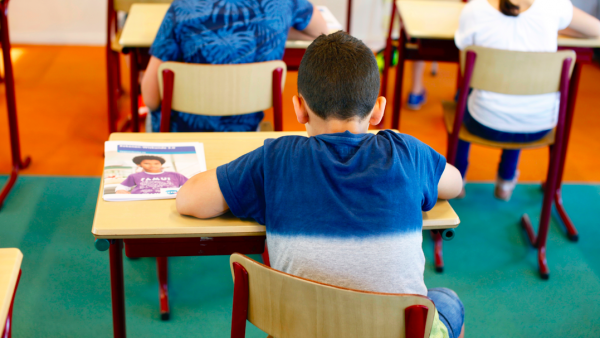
450,184
201,196
122,192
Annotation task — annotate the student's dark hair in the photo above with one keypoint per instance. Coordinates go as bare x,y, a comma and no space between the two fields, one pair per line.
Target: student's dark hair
508,8
338,77
138,159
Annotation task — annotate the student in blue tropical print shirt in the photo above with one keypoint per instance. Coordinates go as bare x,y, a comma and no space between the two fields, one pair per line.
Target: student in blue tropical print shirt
225,32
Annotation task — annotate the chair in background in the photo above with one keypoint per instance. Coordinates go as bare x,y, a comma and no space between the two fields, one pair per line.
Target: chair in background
113,51
283,305
221,90
10,274
217,90
516,73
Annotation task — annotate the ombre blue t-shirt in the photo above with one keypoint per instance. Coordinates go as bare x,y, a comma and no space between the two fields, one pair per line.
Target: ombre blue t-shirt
225,32
343,209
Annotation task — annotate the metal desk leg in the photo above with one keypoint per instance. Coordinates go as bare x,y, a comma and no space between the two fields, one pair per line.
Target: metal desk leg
11,104
134,75
387,58
117,288
438,253
162,267
399,78
111,81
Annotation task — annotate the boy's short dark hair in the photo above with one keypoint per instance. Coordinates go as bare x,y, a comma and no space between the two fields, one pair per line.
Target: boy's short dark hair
138,159
338,77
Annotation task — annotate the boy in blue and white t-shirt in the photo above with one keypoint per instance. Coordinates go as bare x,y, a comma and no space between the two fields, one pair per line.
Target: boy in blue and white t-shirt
342,206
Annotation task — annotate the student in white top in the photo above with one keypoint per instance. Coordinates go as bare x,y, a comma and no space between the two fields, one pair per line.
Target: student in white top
520,25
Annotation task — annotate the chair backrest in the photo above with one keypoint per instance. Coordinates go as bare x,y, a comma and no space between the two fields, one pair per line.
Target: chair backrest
124,5
283,306
222,90
517,73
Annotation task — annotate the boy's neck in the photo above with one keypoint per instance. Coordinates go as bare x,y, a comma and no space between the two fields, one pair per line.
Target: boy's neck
319,126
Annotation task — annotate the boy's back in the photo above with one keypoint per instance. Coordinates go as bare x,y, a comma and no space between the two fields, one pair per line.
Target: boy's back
342,206
343,209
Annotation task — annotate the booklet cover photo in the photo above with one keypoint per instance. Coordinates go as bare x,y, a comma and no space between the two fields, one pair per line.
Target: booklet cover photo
144,170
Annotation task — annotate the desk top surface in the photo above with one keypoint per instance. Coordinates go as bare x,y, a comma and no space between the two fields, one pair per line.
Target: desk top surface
10,264
144,20
438,19
160,219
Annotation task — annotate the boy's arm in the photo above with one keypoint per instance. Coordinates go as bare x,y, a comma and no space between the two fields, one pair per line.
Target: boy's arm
201,196
316,26
450,184
150,88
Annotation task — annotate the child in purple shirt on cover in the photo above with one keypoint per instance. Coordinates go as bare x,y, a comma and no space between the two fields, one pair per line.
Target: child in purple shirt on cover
152,179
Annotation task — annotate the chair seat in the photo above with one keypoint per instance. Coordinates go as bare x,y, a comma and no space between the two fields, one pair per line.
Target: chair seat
115,46
465,135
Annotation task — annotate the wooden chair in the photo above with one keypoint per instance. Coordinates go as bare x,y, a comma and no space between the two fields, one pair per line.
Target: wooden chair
283,305
113,51
221,90
516,73
216,90
10,274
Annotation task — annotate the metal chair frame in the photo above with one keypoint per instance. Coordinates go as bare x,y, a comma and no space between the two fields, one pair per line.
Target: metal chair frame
551,188
11,104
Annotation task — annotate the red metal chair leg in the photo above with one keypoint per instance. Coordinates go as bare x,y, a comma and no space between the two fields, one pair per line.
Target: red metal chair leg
528,227
11,105
438,254
542,263
572,233
162,268
415,319
118,75
241,293
7,330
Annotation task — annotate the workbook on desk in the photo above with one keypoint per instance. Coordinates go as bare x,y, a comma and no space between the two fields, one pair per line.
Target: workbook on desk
136,171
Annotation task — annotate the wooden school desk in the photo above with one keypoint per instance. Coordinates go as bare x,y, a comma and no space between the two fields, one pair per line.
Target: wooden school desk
426,32
11,105
141,27
156,229
10,273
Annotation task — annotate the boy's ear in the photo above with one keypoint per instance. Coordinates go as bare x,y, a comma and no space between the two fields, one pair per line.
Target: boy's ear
300,109
378,111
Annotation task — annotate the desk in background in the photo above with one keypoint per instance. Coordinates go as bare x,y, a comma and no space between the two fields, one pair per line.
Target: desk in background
156,229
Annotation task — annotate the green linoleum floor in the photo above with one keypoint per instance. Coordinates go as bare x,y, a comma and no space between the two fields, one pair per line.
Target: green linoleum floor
65,289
